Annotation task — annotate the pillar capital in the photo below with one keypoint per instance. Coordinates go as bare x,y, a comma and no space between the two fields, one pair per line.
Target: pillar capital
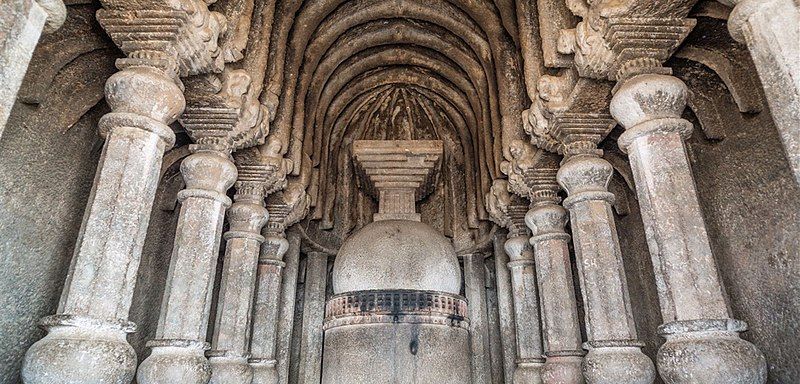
187,42
608,42
223,115
586,178
648,104
570,115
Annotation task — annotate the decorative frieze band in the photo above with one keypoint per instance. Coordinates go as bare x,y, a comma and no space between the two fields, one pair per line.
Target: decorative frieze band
396,306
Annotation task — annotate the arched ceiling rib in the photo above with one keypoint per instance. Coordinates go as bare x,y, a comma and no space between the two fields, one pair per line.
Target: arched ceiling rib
341,68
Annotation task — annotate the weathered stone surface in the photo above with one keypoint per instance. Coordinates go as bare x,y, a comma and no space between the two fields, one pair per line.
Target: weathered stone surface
770,30
416,352
614,352
696,316
333,73
99,288
178,351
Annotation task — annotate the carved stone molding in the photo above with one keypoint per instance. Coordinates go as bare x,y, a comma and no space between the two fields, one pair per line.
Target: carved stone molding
391,306
617,40
221,115
179,36
397,173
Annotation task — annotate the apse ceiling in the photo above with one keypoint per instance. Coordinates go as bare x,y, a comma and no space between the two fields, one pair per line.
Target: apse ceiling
403,69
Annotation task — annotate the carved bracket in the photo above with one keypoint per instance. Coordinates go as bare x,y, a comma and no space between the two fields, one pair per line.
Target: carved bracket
220,115
178,36
617,40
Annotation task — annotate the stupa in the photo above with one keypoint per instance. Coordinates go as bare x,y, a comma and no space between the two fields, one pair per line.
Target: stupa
396,281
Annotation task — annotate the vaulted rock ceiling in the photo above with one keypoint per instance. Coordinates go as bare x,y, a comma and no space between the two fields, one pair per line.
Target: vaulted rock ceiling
374,69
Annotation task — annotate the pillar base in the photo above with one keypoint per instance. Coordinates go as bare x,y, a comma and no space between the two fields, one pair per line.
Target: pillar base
617,361
563,367
528,371
229,368
265,371
175,361
709,351
79,349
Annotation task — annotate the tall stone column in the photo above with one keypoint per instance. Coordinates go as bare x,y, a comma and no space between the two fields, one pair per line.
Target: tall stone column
562,334
771,30
230,345
285,209
509,210
21,24
475,292
262,348
86,340
697,323
526,302
505,308
615,354
313,317
178,352
286,308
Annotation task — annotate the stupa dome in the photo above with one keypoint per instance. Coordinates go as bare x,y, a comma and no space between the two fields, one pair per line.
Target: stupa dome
397,254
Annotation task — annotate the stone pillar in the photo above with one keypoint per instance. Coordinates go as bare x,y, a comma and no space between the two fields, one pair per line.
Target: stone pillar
265,324
475,292
285,208
771,30
526,302
86,340
505,304
178,351
615,354
287,307
562,335
230,344
21,24
698,327
313,316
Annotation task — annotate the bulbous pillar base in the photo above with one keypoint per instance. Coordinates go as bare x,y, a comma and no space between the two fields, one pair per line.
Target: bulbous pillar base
175,361
615,362
563,368
265,371
529,371
229,368
81,350
709,352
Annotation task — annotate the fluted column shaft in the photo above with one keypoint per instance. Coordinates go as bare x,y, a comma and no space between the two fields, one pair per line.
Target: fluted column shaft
526,309
230,344
562,334
693,306
771,30
268,297
86,340
615,354
178,352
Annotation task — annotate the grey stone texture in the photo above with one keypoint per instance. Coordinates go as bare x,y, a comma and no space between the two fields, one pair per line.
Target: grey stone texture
178,350
770,30
560,323
323,75
398,353
614,351
400,261
697,326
